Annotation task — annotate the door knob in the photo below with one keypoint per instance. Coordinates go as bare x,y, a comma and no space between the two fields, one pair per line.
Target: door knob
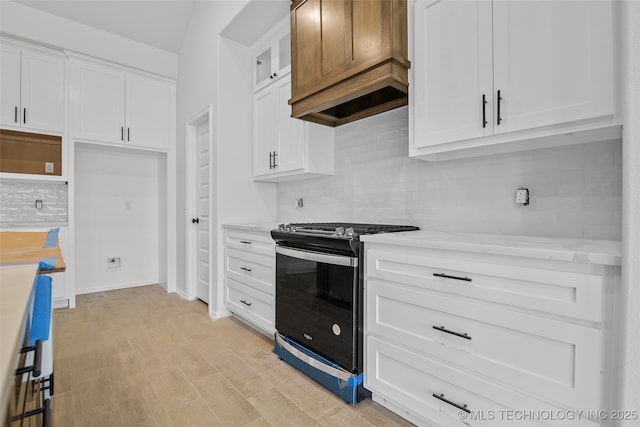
195,220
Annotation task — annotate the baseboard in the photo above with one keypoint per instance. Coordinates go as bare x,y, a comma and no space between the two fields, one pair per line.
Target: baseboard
113,287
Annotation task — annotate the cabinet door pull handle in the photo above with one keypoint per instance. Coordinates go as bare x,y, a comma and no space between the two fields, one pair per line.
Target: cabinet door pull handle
458,334
275,165
484,110
499,102
128,133
121,133
462,407
24,115
248,304
246,242
446,276
15,114
270,159
245,269
195,220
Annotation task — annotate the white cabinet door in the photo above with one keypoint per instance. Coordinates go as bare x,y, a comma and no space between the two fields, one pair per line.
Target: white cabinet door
553,62
99,107
43,86
452,71
290,153
272,56
264,130
148,112
10,111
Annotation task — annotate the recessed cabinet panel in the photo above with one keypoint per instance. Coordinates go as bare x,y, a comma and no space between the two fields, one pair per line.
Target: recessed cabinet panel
450,89
290,152
100,106
148,112
553,62
10,85
43,89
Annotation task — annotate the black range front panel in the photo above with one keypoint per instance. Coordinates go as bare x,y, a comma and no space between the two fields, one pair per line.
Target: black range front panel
316,302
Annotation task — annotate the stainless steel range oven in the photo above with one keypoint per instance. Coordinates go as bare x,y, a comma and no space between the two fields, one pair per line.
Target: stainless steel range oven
319,297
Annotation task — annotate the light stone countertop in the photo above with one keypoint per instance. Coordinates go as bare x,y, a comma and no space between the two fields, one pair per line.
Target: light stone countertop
16,284
255,226
605,252
32,224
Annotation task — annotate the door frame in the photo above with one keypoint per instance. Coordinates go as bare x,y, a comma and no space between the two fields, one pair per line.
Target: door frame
204,116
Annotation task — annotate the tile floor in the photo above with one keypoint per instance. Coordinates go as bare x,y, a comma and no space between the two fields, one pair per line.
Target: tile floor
142,357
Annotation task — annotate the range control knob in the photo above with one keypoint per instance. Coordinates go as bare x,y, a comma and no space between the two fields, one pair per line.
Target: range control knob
340,231
349,232
281,227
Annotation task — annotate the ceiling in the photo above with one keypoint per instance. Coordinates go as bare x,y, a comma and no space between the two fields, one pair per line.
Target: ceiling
158,23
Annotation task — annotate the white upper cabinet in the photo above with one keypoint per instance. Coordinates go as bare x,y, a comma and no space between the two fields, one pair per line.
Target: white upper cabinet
115,105
33,88
453,57
149,109
553,62
285,148
99,107
272,56
489,73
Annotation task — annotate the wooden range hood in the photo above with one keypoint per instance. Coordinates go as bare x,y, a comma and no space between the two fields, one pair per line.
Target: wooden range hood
348,59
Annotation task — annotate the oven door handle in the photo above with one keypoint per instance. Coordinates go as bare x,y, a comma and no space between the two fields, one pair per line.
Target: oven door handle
319,257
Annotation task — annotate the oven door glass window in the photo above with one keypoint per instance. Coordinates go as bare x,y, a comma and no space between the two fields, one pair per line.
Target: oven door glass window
315,302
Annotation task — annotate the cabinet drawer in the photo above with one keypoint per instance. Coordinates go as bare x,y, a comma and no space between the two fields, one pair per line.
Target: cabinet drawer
251,305
530,284
252,269
251,242
555,360
412,380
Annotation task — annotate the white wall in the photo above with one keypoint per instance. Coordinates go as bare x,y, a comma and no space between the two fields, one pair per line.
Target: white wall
575,190
630,372
29,24
116,193
214,70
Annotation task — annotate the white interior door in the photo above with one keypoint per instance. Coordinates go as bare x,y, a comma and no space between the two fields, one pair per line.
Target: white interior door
203,223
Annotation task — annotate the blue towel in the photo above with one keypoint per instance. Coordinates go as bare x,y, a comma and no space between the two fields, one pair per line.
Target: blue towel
41,317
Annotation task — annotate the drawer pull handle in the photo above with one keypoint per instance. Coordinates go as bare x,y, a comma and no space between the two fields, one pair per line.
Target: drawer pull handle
248,304
458,334
246,242
462,407
245,269
447,276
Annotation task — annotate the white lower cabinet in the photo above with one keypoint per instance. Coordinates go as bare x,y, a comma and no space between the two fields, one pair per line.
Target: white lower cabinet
462,338
249,259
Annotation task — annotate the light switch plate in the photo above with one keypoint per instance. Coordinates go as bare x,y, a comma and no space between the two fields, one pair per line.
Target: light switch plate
49,167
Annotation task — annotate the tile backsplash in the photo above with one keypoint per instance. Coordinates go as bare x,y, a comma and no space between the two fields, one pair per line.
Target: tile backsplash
18,202
575,191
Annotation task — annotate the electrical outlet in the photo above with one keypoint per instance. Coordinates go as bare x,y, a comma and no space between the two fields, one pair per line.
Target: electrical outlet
299,203
522,196
49,167
38,204
113,263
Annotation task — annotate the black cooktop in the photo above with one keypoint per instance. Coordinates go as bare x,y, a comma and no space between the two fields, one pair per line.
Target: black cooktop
358,228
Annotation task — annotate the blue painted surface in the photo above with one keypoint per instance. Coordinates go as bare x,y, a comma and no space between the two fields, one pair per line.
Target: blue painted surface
41,317
52,238
352,392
